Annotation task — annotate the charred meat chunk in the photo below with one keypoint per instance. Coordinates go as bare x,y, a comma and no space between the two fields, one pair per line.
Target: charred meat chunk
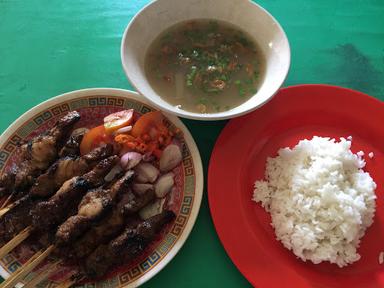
139,200
63,204
109,227
16,219
128,245
37,155
66,168
93,206
72,147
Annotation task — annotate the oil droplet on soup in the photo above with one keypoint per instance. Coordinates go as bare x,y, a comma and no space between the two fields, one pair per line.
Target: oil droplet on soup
204,66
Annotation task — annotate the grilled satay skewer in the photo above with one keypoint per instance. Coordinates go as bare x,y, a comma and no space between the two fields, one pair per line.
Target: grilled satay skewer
67,167
111,225
130,204
7,180
36,155
126,246
100,234
47,214
70,149
59,207
131,201
103,231
18,218
14,221
119,185
63,169
139,200
93,205
106,230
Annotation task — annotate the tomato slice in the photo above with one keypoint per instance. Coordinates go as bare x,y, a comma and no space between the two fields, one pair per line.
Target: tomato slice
118,120
147,121
94,138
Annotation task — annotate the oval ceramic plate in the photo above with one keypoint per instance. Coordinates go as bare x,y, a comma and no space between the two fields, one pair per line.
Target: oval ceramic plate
93,105
244,227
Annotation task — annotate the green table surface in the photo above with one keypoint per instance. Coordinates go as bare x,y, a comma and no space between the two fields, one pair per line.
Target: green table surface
48,47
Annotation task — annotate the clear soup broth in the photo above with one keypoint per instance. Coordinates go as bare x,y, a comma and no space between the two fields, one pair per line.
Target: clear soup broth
204,66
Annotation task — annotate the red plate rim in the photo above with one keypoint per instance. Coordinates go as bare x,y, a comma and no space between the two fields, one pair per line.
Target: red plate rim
232,228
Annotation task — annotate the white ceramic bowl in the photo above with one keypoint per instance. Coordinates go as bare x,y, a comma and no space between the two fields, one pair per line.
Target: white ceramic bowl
247,16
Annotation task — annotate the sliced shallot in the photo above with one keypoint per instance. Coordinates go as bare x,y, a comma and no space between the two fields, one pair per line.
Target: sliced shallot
141,188
146,173
164,184
170,158
130,160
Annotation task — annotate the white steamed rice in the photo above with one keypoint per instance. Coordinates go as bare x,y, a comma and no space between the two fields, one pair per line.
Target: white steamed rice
320,199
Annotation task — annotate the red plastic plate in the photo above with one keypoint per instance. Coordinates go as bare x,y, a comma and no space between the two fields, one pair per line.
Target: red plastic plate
239,159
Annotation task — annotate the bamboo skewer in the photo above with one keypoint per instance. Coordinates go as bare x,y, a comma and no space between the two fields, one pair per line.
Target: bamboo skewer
71,280
10,280
35,260
42,276
5,210
5,203
28,267
13,276
15,241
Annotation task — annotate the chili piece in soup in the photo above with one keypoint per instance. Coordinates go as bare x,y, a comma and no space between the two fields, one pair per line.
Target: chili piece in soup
204,66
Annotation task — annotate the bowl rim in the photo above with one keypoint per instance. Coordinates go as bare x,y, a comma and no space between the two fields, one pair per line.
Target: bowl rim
195,154
208,116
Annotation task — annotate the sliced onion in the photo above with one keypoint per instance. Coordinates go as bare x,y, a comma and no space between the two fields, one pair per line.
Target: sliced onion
146,173
164,184
141,188
170,158
121,115
130,160
123,130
